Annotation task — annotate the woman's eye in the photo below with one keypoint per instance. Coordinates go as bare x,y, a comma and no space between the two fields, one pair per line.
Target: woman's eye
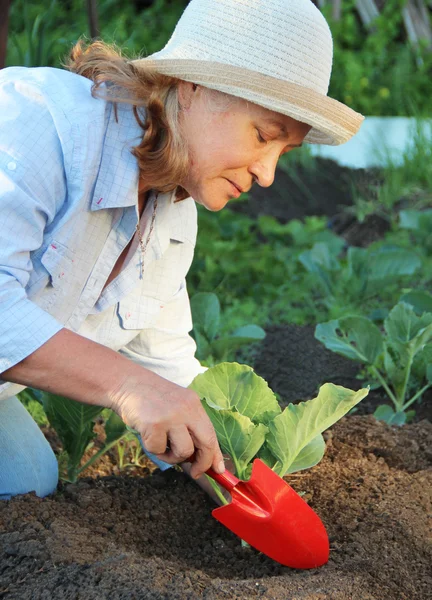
260,137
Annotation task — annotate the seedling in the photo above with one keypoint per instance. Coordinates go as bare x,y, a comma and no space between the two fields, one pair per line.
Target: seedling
399,358
250,424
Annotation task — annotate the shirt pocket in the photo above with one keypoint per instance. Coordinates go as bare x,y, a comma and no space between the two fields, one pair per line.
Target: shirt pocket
58,260
139,315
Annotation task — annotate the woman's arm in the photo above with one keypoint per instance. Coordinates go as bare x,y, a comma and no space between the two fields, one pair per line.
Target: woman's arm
72,366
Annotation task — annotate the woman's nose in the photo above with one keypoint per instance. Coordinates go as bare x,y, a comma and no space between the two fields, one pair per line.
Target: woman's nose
263,170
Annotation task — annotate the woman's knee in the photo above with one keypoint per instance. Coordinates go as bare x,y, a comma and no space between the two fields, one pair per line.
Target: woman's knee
27,462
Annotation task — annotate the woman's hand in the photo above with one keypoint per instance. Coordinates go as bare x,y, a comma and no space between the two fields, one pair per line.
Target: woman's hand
171,420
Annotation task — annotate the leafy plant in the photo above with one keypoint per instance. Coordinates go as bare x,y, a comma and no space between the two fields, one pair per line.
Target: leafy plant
32,400
420,224
211,347
364,276
399,359
74,424
249,422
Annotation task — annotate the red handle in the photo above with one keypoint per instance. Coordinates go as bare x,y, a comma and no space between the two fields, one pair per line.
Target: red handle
226,479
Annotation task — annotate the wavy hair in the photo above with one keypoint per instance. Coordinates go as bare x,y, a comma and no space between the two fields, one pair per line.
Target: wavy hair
162,154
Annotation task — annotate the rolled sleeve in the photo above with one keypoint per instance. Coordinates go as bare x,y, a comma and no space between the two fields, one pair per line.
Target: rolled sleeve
167,348
32,191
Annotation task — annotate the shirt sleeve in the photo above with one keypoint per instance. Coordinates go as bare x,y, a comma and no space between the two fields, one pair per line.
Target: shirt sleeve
32,192
167,348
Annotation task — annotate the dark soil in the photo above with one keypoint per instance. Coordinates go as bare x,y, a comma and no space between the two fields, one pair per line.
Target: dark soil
127,535
154,537
326,190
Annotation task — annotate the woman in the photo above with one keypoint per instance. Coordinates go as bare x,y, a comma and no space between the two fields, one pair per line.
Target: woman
98,217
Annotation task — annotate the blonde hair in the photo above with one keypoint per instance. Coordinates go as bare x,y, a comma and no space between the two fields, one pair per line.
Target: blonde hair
162,155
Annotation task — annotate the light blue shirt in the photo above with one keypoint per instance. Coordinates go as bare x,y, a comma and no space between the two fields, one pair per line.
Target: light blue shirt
68,208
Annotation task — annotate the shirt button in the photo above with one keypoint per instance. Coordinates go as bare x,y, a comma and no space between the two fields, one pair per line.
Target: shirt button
12,166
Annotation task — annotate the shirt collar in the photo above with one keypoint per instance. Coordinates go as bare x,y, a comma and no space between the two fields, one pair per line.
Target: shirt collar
117,180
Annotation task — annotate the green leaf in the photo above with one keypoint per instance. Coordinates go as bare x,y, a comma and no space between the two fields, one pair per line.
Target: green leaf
205,309
73,422
392,262
266,455
358,265
429,372
404,327
415,219
387,414
203,346
356,338
309,456
244,335
321,261
231,386
298,425
114,428
420,300
237,436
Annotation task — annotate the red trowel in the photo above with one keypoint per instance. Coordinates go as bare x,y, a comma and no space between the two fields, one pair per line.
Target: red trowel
269,515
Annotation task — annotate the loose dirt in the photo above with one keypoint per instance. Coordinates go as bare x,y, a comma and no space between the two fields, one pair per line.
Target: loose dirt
154,537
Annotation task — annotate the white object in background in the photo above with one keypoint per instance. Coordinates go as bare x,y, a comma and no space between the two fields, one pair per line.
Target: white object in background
379,139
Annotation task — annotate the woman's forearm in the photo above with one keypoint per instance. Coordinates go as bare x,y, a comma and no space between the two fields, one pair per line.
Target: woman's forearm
171,420
70,365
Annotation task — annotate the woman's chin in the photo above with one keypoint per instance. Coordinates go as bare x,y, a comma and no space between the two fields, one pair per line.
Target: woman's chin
213,203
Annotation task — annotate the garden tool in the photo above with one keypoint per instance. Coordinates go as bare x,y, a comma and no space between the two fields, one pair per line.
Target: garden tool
269,515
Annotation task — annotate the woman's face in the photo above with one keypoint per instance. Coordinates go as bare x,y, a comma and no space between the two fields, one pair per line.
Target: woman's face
238,146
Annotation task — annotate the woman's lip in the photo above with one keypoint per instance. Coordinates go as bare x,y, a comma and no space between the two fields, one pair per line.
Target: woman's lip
238,191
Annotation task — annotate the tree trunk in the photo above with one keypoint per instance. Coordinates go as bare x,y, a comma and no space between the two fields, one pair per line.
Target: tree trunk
93,19
4,23
368,11
417,23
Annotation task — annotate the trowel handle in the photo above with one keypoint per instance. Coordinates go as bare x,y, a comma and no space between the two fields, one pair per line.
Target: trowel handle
227,480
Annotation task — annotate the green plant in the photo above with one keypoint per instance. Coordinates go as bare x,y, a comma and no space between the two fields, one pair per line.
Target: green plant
34,46
366,275
42,36
249,422
399,359
211,346
31,399
375,70
74,424
419,224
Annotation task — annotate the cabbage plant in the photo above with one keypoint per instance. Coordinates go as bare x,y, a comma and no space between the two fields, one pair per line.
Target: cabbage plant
250,424
399,358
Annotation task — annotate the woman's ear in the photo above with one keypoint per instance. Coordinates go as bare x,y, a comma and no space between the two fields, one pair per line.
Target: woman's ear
186,91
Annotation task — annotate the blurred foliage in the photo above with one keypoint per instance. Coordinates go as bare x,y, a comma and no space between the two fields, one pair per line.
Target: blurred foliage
375,71
42,36
378,72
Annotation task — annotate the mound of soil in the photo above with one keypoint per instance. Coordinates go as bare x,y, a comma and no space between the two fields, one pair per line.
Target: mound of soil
154,537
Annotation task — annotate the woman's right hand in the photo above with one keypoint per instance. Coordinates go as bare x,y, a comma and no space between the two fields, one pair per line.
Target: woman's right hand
171,420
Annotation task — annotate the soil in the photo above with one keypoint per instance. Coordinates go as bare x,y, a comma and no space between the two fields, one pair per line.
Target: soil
325,190
154,537
127,535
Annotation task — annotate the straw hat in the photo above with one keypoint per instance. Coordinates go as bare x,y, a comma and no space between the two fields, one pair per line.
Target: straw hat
275,53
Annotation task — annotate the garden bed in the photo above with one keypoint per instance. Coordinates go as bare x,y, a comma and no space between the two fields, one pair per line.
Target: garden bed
154,537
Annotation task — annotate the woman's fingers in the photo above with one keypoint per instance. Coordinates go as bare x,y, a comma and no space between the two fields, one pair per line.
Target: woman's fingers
181,445
207,451
155,440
